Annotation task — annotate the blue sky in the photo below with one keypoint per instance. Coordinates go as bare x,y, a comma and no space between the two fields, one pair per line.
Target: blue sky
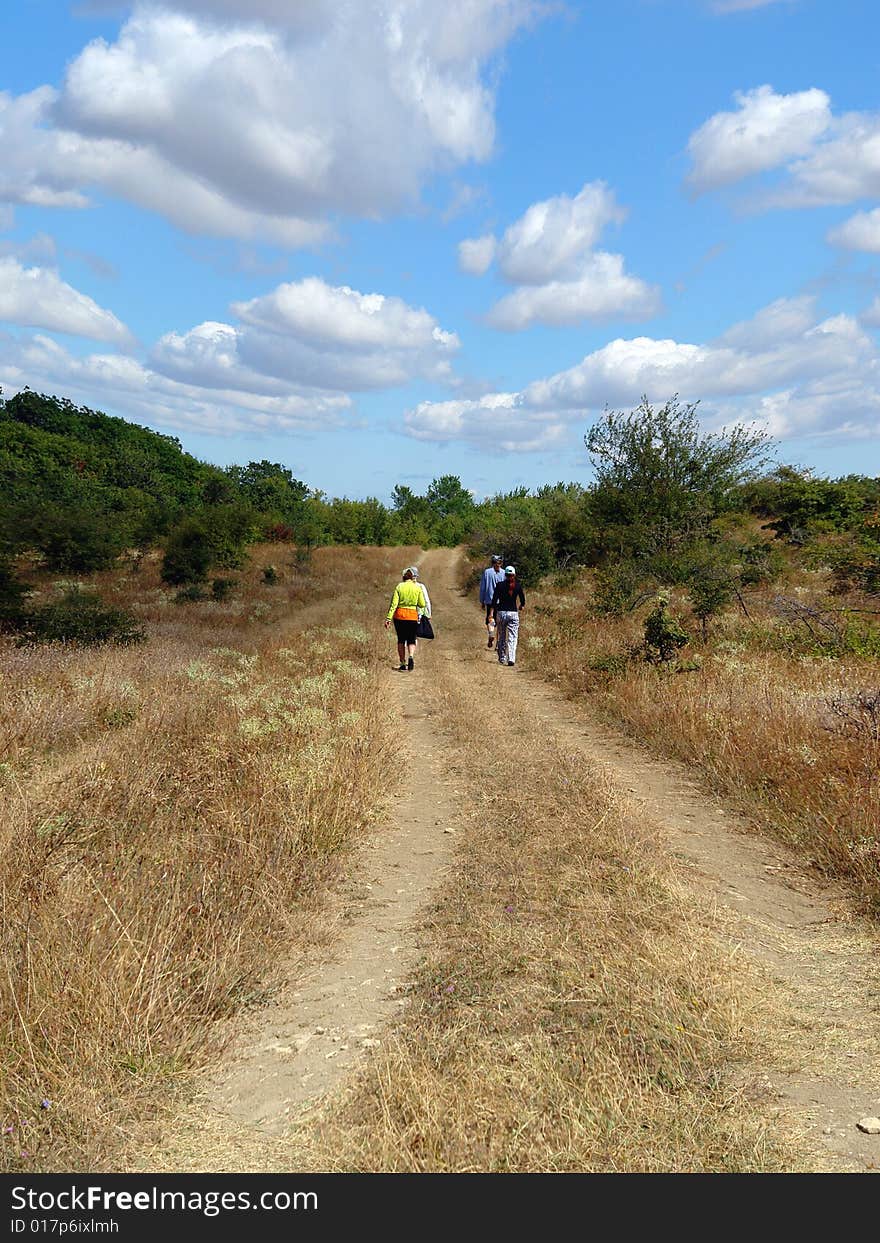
380,240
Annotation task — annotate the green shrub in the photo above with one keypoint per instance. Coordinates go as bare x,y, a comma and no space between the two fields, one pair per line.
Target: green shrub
221,588
619,588
189,553
855,564
271,575
664,634
80,617
12,594
74,540
711,590
613,664
760,562
191,594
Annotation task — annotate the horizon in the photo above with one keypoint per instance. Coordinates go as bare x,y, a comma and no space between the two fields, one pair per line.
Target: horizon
379,252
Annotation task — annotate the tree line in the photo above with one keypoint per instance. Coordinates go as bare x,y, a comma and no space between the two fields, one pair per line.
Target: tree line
669,504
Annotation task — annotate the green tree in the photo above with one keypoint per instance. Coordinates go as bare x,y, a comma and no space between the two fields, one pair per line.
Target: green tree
448,498
660,480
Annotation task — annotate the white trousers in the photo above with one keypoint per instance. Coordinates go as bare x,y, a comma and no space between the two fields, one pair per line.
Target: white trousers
507,635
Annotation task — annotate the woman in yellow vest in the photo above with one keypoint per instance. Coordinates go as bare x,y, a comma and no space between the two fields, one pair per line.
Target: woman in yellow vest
408,598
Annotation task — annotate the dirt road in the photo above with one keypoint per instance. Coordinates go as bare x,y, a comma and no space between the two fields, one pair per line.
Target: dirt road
288,1057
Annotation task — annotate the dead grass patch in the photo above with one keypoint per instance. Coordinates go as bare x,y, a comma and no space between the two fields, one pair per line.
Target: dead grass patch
768,727
167,814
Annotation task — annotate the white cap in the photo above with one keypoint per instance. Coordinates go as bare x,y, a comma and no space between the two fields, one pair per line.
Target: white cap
510,569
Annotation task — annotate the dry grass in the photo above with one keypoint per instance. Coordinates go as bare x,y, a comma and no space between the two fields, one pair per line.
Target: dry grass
575,1010
168,812
754,718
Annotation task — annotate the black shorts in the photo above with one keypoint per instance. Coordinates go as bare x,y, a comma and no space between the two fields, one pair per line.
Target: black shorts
406,631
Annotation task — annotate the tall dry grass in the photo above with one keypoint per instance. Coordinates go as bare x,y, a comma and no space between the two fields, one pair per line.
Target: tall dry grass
169,815
756,716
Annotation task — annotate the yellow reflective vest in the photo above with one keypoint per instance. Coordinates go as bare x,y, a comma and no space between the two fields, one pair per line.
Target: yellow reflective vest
409,598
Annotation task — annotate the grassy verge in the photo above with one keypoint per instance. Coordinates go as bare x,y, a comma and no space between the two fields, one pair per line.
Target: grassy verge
574,1011
168,815
770,719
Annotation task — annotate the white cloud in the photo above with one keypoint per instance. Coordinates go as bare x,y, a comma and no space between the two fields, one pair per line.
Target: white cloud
475,254
825,160
552,238
860,232
232,126
624,369
39,298
337,315
841,169
123,385
870,317
207,357
312,335
308,332
497,421
291,361
548,253
781,321
299,16
767,130
798,373
603,290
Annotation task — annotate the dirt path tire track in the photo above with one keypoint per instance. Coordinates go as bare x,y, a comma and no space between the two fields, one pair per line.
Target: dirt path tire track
824,960
803,931
287,1056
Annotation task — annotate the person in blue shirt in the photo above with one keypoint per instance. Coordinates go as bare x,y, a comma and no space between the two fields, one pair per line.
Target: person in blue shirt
492,576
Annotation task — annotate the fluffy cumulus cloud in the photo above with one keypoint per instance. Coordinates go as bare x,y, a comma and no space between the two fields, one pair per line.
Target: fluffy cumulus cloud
292,360
822,159
498,421
260,119
786,367
766,130
551,239
549,254
312,335
126,386
38,298
602,289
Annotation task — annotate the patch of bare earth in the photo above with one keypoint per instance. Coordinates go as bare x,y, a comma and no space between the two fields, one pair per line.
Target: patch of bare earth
610,974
